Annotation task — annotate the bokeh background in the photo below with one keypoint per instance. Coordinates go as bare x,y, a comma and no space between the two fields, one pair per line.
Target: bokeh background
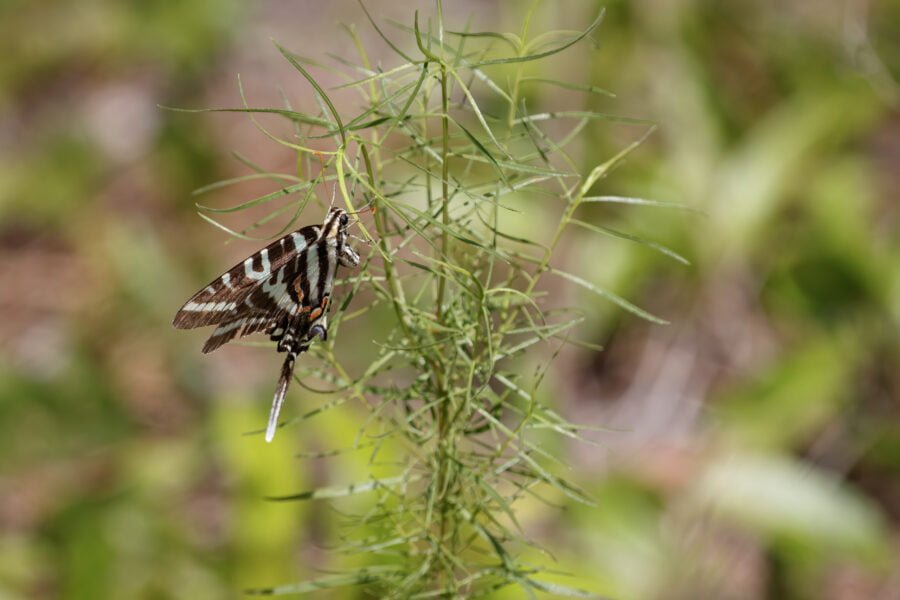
753,448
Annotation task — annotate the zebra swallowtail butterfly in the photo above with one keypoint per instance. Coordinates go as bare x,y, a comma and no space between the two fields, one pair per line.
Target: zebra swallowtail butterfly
283,291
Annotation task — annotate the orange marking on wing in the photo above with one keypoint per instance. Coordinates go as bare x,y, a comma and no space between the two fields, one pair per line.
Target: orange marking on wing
315,314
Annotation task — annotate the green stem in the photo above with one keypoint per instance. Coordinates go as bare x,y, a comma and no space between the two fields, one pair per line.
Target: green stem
445,442
445,187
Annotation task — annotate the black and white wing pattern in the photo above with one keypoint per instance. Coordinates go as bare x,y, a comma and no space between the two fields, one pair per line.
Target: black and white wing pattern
227,292
282,290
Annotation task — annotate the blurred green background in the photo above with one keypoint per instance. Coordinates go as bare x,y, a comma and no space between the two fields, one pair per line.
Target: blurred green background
754,443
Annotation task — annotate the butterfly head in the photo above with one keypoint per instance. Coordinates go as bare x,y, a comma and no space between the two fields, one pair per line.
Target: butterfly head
336,224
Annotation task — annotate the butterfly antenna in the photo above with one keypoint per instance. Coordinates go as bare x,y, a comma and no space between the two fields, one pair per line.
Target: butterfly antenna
365,207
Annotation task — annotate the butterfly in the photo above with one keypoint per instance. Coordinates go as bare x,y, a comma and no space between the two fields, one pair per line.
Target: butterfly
282,291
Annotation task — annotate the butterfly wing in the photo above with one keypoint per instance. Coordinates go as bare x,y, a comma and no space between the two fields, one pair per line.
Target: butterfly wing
287,304
218,301
273,306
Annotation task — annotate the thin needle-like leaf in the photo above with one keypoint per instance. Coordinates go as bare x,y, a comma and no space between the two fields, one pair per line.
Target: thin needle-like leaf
615,298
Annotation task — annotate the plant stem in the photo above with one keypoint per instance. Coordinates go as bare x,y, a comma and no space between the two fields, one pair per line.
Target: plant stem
445,442
445,187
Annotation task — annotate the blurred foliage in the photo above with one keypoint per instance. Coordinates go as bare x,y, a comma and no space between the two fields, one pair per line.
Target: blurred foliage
756,439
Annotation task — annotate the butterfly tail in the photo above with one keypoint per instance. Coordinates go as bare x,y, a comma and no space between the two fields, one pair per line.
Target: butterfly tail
291,341
287,371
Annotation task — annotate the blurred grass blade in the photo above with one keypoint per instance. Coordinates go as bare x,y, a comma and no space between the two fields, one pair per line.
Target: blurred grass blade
347,490
632,238
562,590
290,114
282,193
639,202
615,298
362,576
582,114
236,180
227,230
593,89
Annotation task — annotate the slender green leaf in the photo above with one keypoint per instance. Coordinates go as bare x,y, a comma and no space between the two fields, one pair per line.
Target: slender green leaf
321,92
347,490
359,577
546,53
562,590
582,114
290,114
381,34
632,238
509,38
615,298
639,202
569,86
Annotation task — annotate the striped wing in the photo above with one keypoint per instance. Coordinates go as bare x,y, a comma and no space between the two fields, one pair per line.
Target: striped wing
275,304
218,301
286,304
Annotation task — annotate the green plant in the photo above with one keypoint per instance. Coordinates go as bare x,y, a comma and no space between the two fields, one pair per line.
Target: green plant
447,389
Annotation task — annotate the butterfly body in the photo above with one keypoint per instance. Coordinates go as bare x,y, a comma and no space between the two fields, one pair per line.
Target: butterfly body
283,290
